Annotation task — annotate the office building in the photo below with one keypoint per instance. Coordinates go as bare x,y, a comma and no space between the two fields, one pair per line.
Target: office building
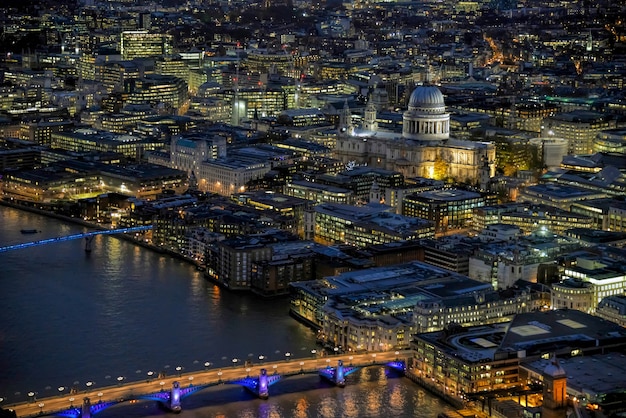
579,127
143,44
463,362
446,208
365,225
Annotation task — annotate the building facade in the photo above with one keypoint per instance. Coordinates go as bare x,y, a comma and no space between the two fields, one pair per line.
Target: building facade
424,149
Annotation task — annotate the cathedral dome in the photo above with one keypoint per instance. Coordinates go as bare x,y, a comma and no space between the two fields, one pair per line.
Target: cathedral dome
427,98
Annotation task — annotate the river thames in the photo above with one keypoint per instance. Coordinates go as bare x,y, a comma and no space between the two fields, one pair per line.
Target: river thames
70,318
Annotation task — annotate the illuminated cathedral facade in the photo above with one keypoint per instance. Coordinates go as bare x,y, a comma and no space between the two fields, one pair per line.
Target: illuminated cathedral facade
424,149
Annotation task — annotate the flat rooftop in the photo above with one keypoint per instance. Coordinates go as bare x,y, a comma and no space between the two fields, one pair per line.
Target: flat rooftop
540,331
590,375
447,195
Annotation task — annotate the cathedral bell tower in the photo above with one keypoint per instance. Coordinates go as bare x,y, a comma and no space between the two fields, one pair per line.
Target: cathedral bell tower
369,118
345,120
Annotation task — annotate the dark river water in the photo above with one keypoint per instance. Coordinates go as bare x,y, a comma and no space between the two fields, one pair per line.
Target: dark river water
69,317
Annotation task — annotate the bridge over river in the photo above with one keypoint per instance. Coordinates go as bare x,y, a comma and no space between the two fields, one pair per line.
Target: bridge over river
87,235
189,382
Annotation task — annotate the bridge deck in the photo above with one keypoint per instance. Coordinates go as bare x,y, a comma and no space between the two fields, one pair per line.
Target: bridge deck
134,390
74,237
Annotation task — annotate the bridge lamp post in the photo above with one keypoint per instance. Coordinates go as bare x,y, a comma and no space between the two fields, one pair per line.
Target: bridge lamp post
336,350
235,362
150,374
301,367
61,389
207,364
71,402
219,376
41,405
350,358
190,380
179,370
314,353
288,355
397,353
100,397
247,371
31,395
120,379
89,385
162,384
261,358
373,358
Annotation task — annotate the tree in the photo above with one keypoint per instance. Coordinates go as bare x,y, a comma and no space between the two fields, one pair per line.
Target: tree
440,168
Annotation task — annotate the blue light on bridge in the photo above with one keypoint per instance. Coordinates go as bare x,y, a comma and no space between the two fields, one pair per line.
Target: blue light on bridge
75,236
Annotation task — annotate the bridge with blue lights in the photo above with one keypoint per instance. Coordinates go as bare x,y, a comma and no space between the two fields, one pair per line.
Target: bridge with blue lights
169,392
86,235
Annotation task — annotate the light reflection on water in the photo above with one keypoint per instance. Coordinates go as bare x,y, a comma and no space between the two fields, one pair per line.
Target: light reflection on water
71,317
304,397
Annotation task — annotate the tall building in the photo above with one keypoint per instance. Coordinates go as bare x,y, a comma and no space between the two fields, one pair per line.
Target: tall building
424,149
141,44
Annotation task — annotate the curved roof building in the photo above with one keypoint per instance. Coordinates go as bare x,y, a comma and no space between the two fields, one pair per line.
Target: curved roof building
426,118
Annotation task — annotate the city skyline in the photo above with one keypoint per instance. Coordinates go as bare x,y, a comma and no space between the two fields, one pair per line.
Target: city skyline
420,176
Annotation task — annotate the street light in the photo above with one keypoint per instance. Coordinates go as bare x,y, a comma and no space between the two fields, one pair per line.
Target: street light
207,364
71,402
89,385
61,389
336,349
247,371
119,379
162,384
301,367
288,355
219,376
41,405
100,397
150,374
235,362
261,358
314,353
178,369
32,396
